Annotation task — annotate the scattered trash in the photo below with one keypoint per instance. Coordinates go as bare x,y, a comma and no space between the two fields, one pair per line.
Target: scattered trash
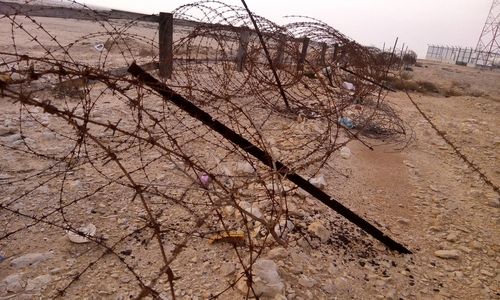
99,47
83,233
348,86
205,180
346,122
232,237
2,258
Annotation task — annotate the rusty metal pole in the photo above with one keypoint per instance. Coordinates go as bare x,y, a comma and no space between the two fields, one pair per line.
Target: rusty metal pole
244,144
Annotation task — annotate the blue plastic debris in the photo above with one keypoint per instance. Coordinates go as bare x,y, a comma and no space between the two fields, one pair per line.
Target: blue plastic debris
346,122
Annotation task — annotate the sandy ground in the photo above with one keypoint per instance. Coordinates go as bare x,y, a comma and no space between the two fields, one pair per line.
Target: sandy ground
422,194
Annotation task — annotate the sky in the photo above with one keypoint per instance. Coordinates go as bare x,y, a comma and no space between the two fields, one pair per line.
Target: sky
417,23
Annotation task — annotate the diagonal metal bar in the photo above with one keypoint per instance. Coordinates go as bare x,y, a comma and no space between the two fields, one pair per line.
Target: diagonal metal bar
229,134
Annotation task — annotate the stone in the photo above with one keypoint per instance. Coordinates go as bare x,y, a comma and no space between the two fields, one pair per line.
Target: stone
447,254
319,230
39,283
345,153
12,138
318,181
452,237
283,228
267,281
307,282
403,221
30,259
495,203
277,253
244,167
227,268
12,284
251,209
6,131
87,231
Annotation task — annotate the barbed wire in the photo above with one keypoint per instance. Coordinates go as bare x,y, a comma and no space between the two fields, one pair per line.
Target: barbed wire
95,144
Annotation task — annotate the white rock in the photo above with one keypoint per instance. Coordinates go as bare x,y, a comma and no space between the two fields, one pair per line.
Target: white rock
283,228
348,86
251,209
12,138
447,254
277,253
227,268
319,230
307,282
13,283
318,181
245,167
6,130
345,153
267,281
88,231
39,283
30,259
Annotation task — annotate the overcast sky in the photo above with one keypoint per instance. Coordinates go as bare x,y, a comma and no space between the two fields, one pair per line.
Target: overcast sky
417,23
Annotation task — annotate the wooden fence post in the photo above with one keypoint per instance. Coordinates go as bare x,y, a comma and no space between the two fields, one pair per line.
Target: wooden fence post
335,51
166,39
242,49
303,54
322,58
278,59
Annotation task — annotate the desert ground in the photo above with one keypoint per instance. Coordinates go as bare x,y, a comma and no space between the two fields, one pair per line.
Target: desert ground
417,190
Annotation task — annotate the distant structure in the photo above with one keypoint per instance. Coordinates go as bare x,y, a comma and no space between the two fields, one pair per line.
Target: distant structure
488,46
487,52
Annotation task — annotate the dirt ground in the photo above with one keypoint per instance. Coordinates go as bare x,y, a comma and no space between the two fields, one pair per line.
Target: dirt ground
420,193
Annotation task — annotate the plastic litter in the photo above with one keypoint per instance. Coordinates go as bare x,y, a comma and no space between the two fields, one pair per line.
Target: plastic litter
205,180
99,47
346,122
2,258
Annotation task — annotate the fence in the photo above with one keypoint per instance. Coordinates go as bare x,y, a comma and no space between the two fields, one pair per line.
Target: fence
462,56
246,113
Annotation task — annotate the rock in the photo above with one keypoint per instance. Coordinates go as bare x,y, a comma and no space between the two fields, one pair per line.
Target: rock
403,221
329,287
307,282
6,131
227,268
319,230
39,283
391,295
251,209
495,203
12,284
345,153
318,181
283,228
30,259
87,231
452,237
244,167
12,138
267,281
447,254
277,253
